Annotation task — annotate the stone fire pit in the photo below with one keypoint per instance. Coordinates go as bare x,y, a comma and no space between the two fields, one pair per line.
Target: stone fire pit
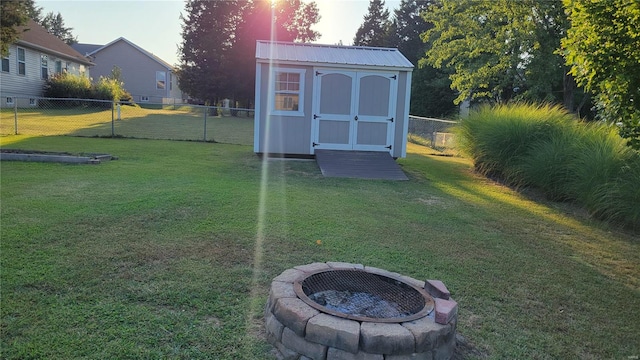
310,319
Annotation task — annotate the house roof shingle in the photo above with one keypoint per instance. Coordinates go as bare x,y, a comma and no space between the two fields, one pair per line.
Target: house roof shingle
85,49
35,36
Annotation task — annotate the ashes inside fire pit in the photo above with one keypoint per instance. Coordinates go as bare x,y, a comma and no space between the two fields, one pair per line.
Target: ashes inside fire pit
361,295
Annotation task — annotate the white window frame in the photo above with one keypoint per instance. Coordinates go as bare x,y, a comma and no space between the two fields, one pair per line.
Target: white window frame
144,99
5,60
44,66
9,100
32,102
163,80
58,66
23,61
300,92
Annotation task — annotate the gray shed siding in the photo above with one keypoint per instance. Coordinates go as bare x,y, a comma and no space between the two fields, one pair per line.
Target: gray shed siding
295,135
287,134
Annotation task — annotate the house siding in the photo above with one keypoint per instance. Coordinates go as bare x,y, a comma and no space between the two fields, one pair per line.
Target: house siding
138,72
31,84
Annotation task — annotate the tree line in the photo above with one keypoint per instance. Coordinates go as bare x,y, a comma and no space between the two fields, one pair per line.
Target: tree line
582,54
17,12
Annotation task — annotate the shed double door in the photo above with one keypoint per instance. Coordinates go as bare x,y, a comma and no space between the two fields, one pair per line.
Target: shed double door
354,110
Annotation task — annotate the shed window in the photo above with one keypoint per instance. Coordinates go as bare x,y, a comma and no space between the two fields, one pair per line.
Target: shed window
288,92
22,67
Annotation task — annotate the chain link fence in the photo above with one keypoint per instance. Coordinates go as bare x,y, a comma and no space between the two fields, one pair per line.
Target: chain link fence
435,133
98,118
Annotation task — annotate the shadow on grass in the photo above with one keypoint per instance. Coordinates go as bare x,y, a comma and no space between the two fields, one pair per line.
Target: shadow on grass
179,126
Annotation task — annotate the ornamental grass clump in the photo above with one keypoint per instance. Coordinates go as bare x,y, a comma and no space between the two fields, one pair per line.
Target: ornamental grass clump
545,147
498,138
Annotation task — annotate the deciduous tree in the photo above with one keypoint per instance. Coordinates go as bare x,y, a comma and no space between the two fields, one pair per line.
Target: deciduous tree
500,50
13,14
431,93
603,49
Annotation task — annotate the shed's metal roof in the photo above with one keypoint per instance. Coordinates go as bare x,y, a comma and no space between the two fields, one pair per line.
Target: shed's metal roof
331,55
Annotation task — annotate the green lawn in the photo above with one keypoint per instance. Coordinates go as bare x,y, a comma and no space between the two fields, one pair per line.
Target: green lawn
169,252
184,123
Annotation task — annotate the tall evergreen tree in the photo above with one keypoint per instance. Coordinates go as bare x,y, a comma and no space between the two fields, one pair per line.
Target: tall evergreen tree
207,37
284,20
13,14
375,27
54,23
219,42
406,27
33,11
431,93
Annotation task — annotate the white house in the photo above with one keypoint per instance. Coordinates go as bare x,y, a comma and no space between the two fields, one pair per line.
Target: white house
34,57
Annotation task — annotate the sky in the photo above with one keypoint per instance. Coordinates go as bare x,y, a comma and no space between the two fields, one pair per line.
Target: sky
156,26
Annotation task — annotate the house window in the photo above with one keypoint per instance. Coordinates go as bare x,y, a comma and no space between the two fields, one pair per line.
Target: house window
288,92
32,102
44,66
161,79
22,67
58,67
5,64
144,98
9,100
67,65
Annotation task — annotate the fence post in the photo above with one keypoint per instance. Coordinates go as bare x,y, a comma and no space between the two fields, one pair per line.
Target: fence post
206,110
15,115
113,128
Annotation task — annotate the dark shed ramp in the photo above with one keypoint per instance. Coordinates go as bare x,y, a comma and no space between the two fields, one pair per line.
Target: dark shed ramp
359,164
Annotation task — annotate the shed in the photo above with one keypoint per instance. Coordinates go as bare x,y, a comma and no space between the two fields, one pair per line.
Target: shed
313,97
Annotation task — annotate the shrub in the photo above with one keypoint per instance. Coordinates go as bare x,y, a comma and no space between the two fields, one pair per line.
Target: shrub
65,85
108,89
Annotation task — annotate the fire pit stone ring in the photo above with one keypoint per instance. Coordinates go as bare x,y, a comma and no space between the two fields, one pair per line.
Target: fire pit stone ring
314,312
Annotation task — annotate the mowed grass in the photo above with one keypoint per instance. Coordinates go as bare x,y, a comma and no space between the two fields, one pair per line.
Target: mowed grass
169,252
184,123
